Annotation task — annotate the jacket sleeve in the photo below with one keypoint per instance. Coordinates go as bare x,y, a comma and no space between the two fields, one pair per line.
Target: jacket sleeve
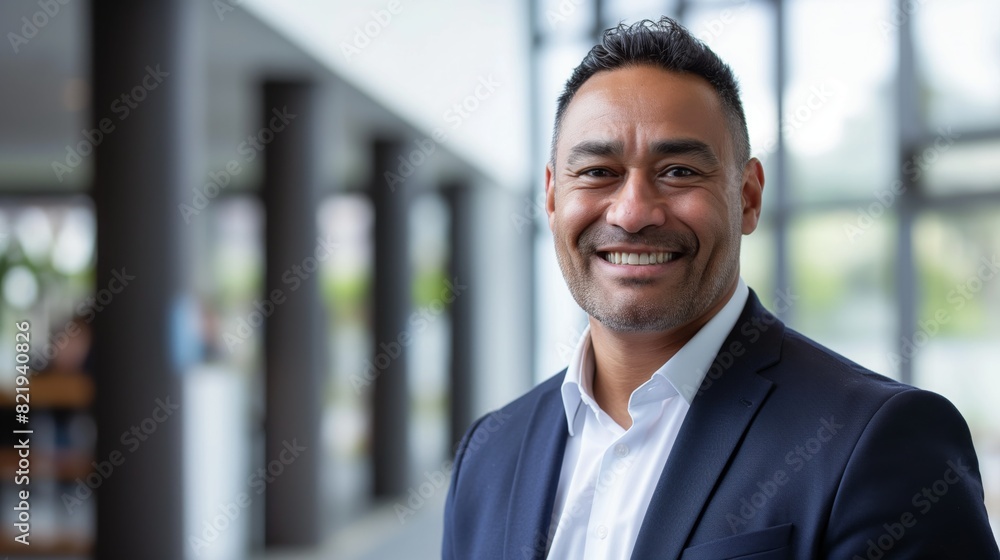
911,488
448,551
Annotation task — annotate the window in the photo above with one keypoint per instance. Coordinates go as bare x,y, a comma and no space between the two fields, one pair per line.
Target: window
878,123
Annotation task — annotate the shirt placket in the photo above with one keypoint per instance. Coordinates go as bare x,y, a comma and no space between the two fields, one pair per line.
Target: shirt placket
605,530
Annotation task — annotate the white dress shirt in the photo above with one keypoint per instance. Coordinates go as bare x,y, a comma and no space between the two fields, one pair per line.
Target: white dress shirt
609,473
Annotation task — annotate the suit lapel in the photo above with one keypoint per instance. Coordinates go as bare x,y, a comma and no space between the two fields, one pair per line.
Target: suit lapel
535,479
712,429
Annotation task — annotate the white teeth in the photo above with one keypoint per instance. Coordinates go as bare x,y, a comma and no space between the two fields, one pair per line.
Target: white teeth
638,259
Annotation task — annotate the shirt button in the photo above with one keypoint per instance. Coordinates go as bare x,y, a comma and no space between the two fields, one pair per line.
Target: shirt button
602,532
621,450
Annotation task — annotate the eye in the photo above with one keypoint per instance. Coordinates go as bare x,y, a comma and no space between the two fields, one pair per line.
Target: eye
597,173
679,172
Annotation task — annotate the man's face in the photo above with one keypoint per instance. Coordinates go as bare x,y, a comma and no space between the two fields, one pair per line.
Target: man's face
644,176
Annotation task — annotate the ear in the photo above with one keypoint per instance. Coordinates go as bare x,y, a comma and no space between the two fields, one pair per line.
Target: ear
751,194
550,195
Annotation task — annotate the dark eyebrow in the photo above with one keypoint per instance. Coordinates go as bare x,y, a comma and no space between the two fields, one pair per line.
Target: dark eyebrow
686,147
596,148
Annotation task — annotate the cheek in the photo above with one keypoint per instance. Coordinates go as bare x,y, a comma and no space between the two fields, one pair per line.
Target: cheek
573,215
697,205
706,216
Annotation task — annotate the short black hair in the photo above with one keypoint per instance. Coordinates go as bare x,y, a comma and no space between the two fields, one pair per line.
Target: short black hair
668,45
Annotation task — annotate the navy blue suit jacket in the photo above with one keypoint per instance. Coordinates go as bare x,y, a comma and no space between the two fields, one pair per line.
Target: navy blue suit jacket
788,451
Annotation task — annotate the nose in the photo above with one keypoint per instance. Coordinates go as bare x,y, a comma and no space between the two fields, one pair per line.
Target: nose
637,204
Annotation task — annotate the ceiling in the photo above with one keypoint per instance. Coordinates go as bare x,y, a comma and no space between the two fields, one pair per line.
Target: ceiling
44,100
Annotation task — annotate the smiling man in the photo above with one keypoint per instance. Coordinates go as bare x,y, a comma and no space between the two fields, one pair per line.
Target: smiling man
690,422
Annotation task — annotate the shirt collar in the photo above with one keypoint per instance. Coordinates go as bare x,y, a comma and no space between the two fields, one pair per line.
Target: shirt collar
685,371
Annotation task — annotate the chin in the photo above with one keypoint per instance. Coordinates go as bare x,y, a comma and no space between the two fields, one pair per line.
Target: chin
634,318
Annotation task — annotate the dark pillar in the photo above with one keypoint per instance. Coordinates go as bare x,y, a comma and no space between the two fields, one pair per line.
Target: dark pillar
461,203
391,305
143,170
293,333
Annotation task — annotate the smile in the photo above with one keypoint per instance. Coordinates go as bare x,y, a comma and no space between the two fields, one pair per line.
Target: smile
639,259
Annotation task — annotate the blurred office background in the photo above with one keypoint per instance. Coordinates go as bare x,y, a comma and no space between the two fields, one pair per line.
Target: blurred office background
276,256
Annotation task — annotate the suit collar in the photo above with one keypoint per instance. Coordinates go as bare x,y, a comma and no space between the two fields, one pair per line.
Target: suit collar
684,372
726,403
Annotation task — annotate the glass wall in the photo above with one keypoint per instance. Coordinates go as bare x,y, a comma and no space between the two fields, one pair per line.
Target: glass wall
878,123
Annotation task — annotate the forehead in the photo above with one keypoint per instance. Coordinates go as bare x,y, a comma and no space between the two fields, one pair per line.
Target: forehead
643,104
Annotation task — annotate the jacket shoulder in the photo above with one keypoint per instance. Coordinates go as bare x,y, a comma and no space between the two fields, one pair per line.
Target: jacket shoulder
516,413
809,367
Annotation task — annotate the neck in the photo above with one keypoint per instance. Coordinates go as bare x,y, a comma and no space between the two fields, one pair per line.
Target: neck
625,360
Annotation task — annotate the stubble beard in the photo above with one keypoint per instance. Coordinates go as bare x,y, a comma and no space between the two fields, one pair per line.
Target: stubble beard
625,313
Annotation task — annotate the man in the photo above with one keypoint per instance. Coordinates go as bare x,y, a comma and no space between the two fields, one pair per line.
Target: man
691,423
